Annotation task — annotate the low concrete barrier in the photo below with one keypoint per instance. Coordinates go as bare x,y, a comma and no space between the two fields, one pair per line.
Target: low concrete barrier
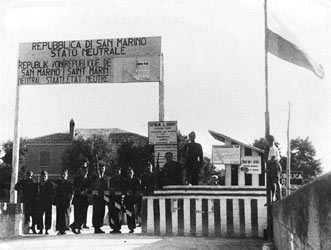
208,211
302,220
11,219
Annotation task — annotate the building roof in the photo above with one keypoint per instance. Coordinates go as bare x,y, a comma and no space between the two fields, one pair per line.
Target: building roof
105,132
222,138
84,133
53,138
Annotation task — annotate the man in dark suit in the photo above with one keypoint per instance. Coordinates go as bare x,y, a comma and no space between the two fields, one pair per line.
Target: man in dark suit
80,201
62,202
27,188
100,185
171,173
193,160
45,199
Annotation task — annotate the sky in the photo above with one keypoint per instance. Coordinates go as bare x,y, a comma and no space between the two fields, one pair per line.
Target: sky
213,69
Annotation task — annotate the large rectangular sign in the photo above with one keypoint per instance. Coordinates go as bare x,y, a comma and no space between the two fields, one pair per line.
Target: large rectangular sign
162,132
251,164
113,60
160,150
226,154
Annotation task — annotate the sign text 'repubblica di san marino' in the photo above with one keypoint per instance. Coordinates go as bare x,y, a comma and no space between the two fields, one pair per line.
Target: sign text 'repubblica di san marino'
114,60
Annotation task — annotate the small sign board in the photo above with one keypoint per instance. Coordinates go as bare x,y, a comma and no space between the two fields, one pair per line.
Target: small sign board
296,178
251,164
295,181
160,150
162,132
226,155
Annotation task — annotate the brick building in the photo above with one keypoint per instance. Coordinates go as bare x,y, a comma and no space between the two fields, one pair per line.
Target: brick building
49,152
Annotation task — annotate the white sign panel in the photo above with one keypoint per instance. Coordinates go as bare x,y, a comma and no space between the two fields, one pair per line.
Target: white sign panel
90,61
162,132
160,150
226,154
251,164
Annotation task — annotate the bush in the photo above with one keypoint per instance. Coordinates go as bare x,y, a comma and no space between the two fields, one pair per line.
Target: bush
5,179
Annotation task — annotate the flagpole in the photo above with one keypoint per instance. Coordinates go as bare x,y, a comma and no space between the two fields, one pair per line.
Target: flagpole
288,165
267,123
267,117
16,149
161,91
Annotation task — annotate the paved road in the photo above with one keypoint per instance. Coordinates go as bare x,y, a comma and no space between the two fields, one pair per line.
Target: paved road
88,241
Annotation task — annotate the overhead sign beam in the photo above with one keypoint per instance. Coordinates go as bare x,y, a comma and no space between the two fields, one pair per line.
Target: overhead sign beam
115,60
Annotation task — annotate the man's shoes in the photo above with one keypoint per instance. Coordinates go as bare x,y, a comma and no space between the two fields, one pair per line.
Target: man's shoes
85,227
131,231
73,229
115,232
61,233
33,230
46,232
98,231
40,231
78,231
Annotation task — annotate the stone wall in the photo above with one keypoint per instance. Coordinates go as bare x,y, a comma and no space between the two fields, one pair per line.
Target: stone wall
11,219
302,220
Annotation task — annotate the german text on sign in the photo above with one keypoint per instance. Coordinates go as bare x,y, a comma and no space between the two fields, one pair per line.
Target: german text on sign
90,61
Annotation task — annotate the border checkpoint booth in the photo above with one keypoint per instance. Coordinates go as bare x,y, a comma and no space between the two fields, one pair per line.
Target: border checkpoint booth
234,210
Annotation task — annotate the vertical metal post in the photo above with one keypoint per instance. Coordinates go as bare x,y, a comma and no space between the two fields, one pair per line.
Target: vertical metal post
266,34
161,91
288,165
267,120
16,149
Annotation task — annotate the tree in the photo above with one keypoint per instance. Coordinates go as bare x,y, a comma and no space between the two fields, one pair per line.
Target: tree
303,159
6,166
94,149
133,156
5,180
7,148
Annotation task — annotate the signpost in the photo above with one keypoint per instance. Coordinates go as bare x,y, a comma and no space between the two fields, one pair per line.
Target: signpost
117,60
251,164
162,132
295,181
114,60
226,154
163,135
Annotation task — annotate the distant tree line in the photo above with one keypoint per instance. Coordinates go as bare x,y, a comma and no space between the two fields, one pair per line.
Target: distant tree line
303,158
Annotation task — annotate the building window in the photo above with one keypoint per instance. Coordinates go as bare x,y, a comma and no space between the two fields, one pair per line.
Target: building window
44,158
234,175
248,177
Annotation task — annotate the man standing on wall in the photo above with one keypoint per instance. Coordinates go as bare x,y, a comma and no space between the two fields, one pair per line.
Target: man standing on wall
193,160
274,169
